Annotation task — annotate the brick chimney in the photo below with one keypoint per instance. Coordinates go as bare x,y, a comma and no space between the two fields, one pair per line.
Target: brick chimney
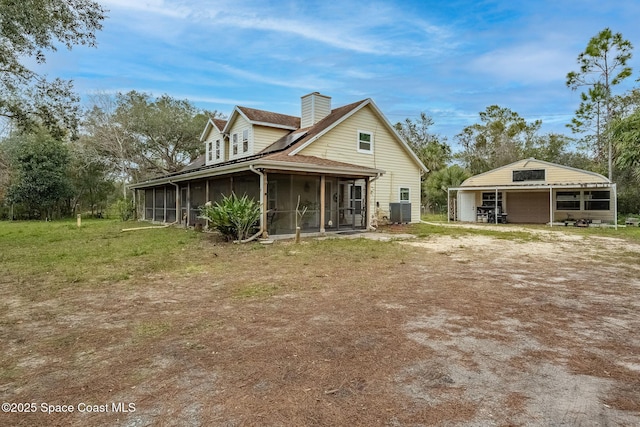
315,107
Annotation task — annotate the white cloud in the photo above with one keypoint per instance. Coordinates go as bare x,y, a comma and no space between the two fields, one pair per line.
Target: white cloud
526,63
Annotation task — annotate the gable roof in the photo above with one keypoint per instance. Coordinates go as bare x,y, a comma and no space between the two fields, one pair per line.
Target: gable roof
211,123
481,178
295,142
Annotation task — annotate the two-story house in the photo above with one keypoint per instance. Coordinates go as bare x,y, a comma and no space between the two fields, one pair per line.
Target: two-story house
347,166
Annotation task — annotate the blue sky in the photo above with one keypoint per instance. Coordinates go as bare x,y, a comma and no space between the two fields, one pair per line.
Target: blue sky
450,59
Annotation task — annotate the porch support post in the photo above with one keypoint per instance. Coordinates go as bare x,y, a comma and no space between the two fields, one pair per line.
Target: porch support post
551,206
188,203
448,206
264,187
164,213
206,192
153,217
322,201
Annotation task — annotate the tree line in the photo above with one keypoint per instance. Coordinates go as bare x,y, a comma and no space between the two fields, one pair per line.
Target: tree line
57,158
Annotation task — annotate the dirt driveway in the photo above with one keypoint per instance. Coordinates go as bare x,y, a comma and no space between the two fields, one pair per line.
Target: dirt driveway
466,331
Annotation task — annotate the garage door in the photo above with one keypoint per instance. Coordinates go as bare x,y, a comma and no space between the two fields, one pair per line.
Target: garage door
528,208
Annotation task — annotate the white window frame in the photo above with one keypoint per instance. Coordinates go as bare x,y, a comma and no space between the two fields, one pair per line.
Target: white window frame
360,149
245,140
408,192
234,144
210,150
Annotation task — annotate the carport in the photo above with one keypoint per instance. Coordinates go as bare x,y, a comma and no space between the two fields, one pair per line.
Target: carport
534,192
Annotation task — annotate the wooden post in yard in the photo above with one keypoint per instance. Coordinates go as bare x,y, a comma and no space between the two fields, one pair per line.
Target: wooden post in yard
79,220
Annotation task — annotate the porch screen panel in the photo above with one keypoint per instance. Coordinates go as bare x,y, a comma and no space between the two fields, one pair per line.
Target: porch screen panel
159,205
247,185
308,189
218,188
281,217
171,204
197,199
148,204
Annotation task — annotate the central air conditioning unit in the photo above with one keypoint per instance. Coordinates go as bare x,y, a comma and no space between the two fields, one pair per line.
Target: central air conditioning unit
400,212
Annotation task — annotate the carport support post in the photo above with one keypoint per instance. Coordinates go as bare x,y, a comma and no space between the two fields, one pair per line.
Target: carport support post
448,206
495,209
551,206
615,205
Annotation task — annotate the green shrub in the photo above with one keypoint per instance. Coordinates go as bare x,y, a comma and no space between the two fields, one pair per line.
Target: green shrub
235,217
122,209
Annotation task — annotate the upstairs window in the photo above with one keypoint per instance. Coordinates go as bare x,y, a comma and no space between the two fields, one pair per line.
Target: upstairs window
210,151
365,142
529,175
234,144
218,150
245,140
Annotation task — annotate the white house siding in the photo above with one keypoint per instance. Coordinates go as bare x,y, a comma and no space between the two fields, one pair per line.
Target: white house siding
239,124
554,175
264,136
341,144
214,135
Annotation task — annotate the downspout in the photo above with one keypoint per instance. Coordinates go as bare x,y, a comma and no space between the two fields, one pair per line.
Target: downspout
261,229
177,202
375,178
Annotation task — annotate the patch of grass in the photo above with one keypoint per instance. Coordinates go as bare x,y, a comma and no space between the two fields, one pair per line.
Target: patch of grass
258,290
60,254
151,329
426,230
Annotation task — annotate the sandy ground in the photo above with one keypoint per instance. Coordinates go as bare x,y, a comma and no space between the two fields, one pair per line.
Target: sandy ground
466,331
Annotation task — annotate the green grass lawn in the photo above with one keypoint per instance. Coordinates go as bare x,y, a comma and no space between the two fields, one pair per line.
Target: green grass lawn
61,253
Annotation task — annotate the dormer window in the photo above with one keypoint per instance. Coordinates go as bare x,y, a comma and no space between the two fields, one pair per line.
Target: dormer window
218,150
245,140
234,144
210,151
365,142
529,175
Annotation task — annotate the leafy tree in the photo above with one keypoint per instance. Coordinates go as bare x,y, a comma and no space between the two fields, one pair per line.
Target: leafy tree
142,136
42,184
503,137
439,181
111,140
28,28
166,131
431,149
89,176
603,65
626,134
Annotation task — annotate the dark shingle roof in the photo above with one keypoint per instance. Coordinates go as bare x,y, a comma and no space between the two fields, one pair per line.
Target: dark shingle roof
270,117
290,142
220,124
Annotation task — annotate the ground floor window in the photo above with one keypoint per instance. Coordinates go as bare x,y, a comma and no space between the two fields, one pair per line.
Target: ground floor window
588,200
489,199
568,200
405,194
597,200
